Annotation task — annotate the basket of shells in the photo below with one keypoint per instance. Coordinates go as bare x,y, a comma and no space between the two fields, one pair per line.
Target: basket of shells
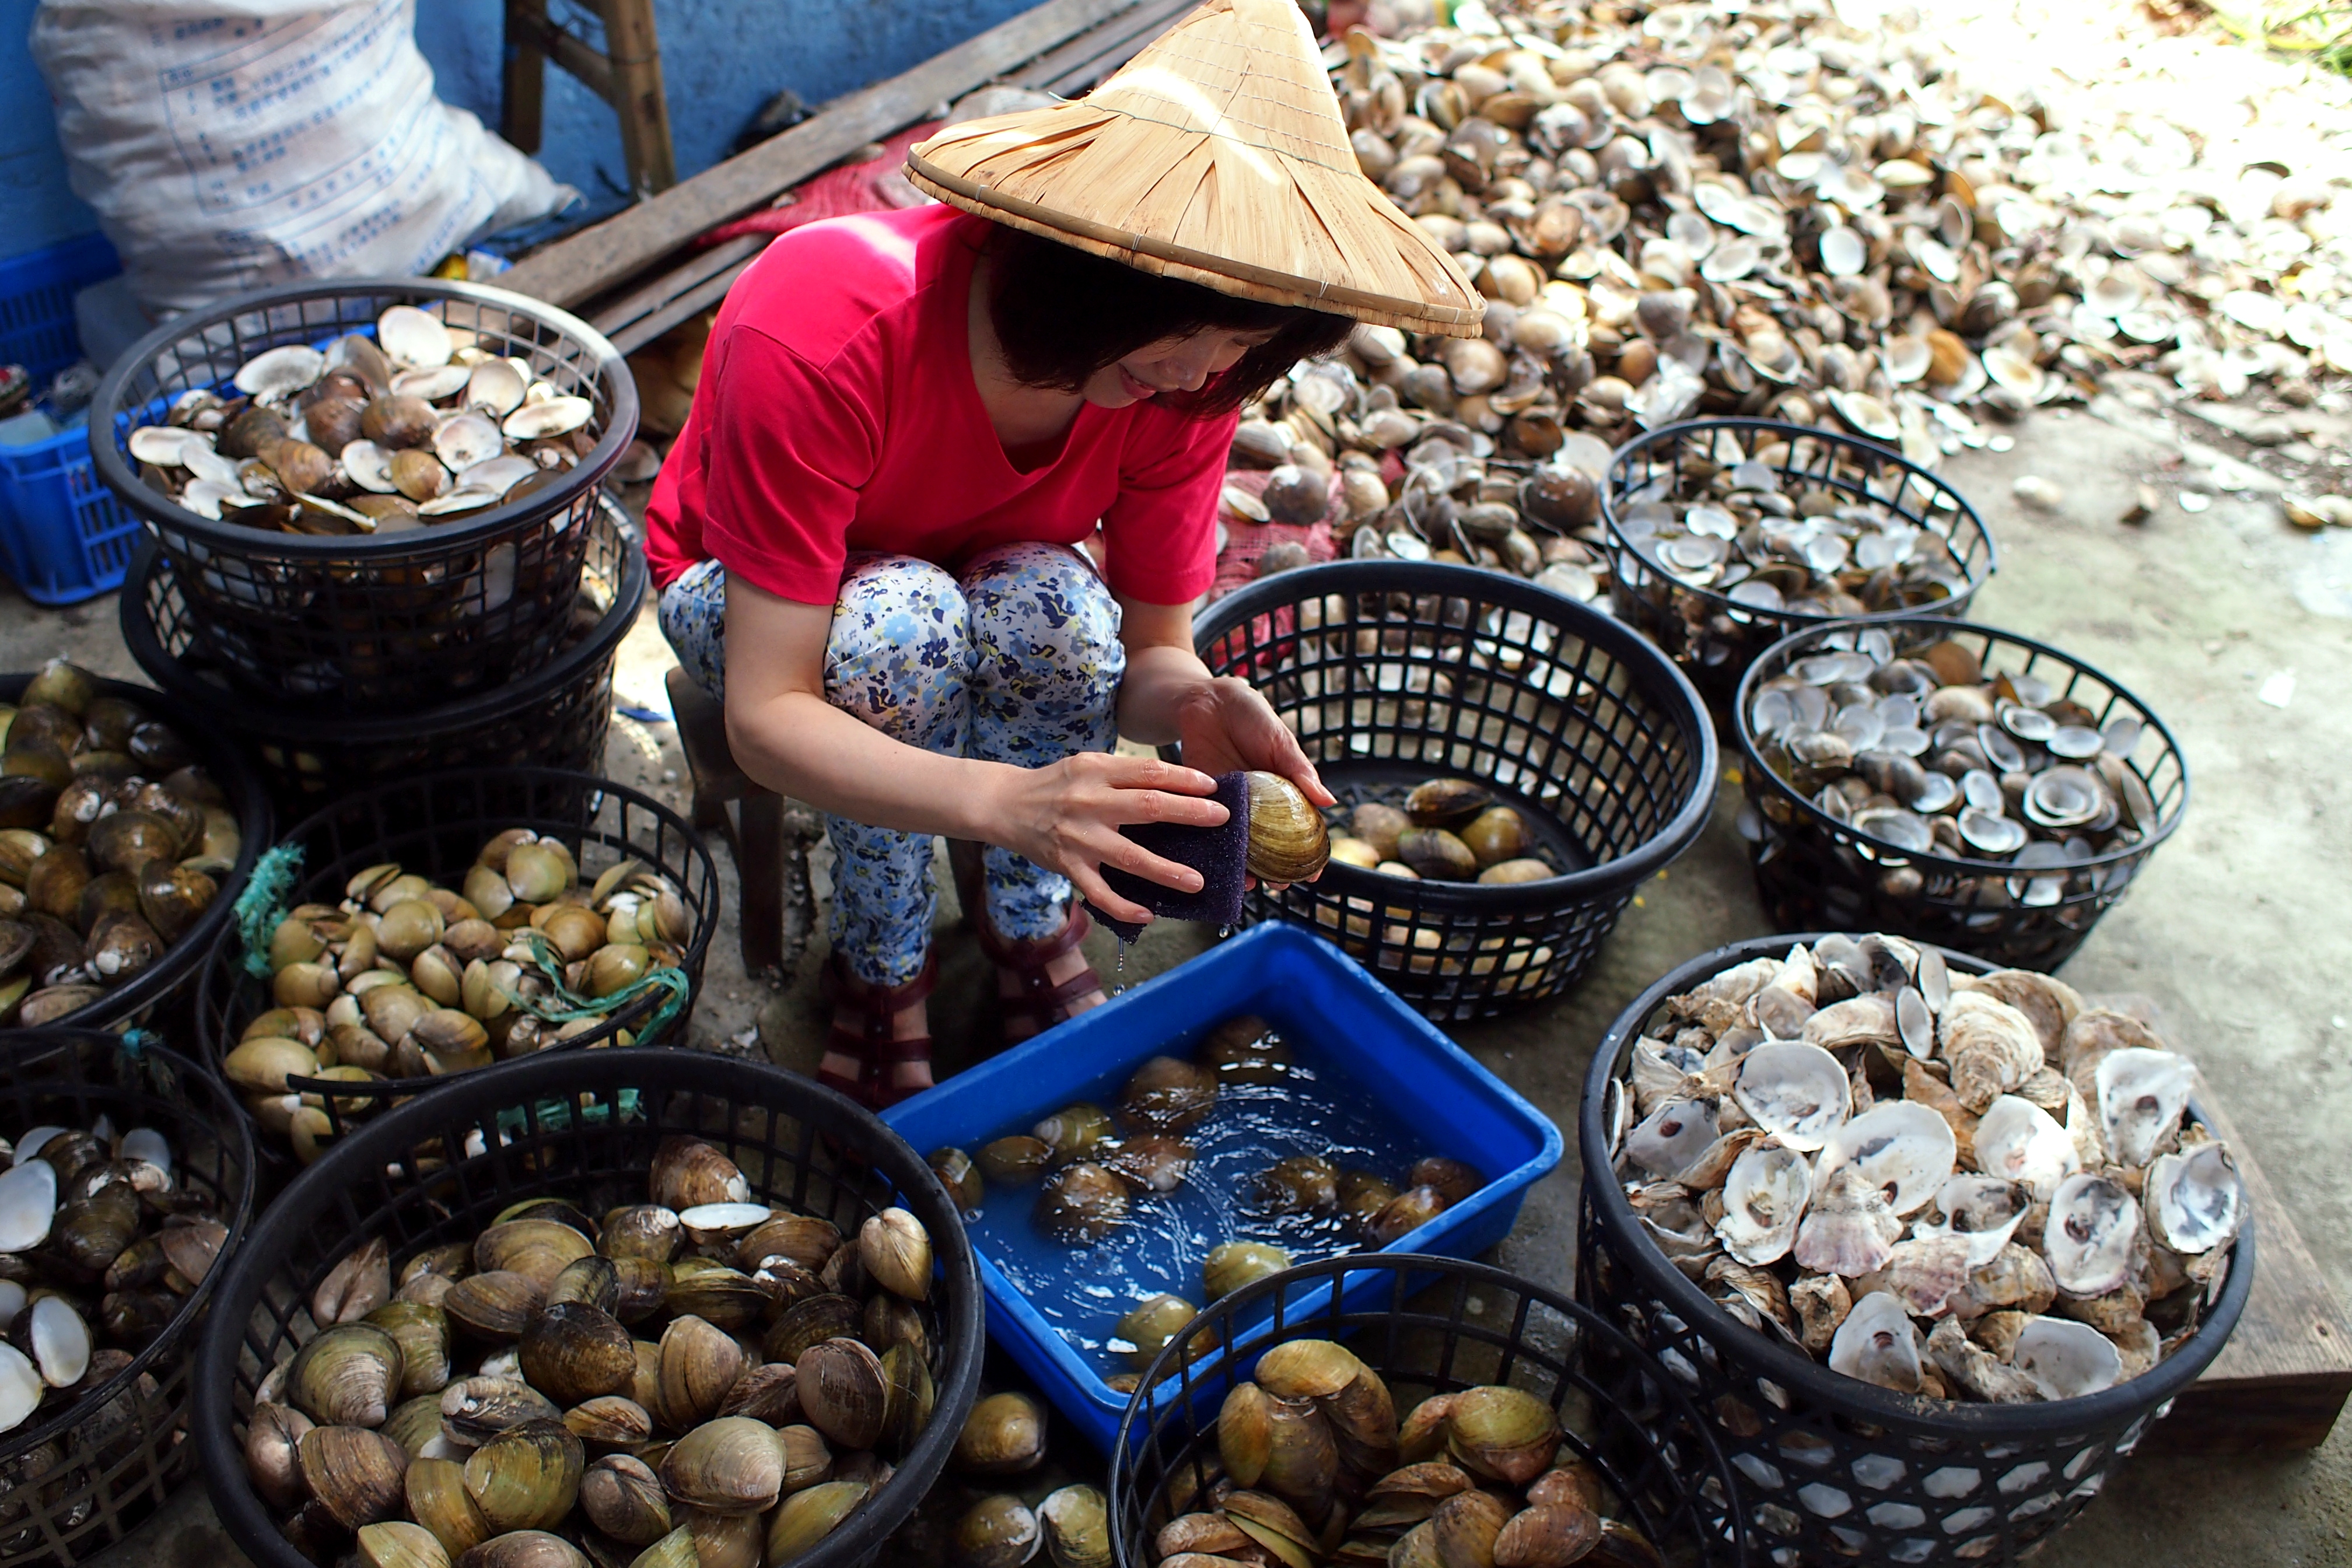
124,841
1451,1415
374,490
1449,693
126,1179
651,1306
1933,1242
556,715
439,925
1951,783
1726,535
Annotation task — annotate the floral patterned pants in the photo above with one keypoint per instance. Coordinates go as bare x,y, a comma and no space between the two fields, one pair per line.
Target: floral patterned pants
1018,660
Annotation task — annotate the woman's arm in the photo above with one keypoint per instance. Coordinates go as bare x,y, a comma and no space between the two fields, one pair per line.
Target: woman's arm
1065,818
1169,695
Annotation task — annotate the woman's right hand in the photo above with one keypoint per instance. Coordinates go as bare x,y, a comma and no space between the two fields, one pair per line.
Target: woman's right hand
1067,817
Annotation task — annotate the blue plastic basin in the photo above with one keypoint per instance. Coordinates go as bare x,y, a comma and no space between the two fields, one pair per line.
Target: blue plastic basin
1334,1014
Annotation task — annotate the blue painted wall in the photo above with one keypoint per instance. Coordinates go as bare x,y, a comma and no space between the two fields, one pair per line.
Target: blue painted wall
37,207
723,60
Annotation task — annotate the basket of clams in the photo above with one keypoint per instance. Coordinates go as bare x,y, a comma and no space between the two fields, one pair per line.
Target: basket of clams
644,1307
372,490
1454,1414
126,1181
1510,765
1726,535
444,923
124,841
1932,1242
1951,783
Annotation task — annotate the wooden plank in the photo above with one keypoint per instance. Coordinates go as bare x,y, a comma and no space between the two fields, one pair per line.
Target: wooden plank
654,323
728,257
2285,1375
596,258
1099,50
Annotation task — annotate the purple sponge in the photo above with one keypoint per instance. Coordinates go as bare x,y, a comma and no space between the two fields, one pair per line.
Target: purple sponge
1218,853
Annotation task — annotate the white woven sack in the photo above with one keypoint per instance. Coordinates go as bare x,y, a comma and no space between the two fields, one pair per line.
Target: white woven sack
232,144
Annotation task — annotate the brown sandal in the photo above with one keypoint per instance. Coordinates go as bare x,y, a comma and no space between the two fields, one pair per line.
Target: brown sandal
878,1054
1041,1002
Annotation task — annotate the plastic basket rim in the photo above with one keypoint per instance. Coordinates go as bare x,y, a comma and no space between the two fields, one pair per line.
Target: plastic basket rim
241,712
1788,648
1623,456
24,1047
1623,642
222,968
257,827
161,512
1325,1301
525,1081
1811,1380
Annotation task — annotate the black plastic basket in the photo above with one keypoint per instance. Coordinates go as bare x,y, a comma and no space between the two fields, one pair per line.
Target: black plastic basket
583,1128
139,1000
436,826
402,618
1392,672
1433,1325
78,1479
1834,1469
553,716
1715,638
1815,872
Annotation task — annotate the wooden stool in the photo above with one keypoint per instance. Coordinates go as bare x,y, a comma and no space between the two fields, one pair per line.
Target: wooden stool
756,830
627,74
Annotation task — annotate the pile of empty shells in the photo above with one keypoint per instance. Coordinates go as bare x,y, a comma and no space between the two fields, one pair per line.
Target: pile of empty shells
1965,1187
1760,211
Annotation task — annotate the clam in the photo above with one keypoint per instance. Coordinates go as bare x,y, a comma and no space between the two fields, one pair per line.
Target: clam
1436,853
811,1514
960,1177
400,1544
842,1392
437,1499
347,1375
997,1531
1015,1160
1072,1133
731,1464
698,1364
356,1475
1289,841
572,1351
1147,1328
620,1496
476,1409
1081,1203
1003,1435
1076,1523
272,1437
527,1476
1235,1264
1506,1434
1301,1184
896,1252
1167,1094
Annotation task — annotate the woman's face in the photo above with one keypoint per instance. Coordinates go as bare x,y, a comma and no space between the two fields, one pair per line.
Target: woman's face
1172,364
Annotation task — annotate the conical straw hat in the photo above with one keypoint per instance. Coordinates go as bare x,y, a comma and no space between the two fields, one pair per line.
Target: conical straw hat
1217,156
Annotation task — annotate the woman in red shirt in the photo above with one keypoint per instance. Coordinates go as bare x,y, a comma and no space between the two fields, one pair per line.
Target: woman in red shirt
906,423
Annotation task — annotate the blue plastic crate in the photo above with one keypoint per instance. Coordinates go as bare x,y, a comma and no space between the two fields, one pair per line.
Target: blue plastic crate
1333,1014
63,536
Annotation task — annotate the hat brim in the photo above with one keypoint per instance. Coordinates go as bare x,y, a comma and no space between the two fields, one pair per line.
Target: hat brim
1167,259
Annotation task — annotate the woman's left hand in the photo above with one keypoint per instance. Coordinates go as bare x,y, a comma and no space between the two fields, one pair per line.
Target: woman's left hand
1225,725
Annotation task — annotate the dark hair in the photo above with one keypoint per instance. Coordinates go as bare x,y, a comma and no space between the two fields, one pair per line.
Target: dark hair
1061,314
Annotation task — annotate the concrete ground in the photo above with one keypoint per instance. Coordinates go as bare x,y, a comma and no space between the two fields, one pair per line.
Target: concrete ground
2239,930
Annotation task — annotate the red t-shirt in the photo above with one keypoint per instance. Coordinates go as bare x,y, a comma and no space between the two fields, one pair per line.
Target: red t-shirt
837,412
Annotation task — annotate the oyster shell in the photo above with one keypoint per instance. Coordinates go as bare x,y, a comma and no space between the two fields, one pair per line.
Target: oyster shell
1878,1342
2093,1229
